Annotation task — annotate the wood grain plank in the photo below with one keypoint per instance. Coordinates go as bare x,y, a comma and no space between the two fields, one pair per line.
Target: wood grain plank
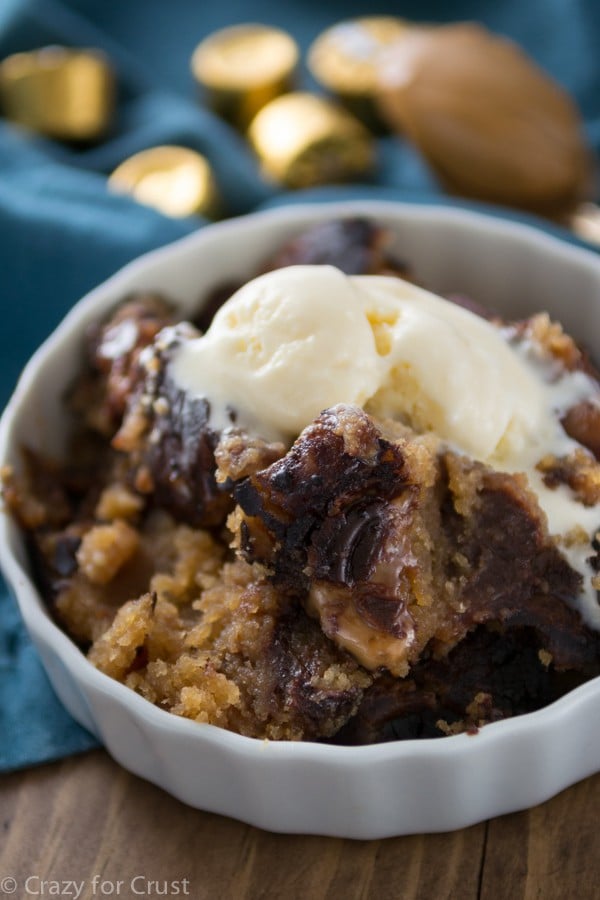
449,864
86,817
551,852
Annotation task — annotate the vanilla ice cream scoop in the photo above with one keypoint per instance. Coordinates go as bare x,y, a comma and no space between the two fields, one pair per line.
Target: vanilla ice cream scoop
451,372
292,342
284,347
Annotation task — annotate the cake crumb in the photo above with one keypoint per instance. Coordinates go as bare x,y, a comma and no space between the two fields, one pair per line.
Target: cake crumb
118,502
105,549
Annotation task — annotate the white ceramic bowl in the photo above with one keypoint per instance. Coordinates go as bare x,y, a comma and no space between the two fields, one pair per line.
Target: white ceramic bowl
356,792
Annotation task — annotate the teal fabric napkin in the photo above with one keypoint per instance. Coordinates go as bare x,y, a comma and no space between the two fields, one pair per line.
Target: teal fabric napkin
61,232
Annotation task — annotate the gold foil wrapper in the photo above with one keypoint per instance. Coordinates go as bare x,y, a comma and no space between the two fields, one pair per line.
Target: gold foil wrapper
304,140
241,68
344,60
176,181
59,92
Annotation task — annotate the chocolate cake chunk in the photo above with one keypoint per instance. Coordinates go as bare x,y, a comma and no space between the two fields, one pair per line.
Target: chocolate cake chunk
356,246
490,675
113,350
396,545
340,522
168,441
505,569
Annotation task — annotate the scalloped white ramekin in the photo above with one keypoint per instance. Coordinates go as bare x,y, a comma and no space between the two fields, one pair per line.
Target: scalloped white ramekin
356,792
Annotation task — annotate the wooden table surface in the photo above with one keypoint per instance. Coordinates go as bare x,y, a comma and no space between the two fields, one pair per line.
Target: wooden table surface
87,821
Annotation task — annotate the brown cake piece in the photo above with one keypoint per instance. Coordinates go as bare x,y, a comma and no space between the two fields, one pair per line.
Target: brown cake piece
293,682
167,439
506,570
37,495
490,675
356,246
398,545
113,350
582,423
578,470
239,655
340,520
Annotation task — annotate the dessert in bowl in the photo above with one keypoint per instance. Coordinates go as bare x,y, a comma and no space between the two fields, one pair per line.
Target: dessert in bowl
328,621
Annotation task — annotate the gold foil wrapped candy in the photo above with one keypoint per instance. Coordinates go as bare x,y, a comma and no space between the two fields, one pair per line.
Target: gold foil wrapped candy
242,68
59,92
176,181
304,140
344,58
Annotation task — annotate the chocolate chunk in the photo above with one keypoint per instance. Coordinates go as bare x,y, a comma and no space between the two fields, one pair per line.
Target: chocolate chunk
113,350
323,506
356,246
169,442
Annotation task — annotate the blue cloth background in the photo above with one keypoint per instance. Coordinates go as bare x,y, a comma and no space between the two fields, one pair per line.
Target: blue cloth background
61,232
